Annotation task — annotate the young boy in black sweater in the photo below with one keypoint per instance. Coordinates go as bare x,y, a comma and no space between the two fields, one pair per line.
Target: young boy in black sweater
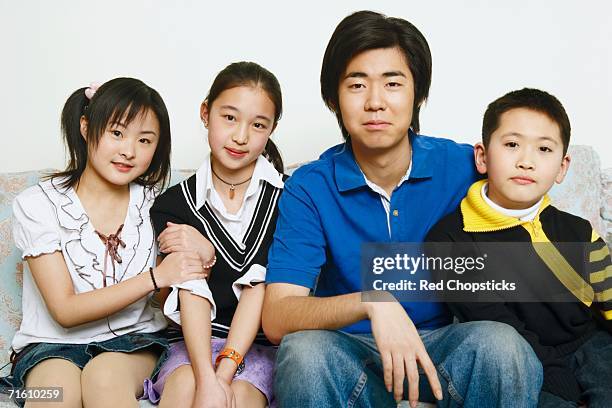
525,137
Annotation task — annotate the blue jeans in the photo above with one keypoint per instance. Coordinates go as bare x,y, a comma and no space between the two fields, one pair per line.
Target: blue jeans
479,364
592,366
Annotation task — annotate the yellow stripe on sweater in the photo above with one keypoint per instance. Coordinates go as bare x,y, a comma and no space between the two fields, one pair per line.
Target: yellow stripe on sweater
604,296
599,254
564,272
600,276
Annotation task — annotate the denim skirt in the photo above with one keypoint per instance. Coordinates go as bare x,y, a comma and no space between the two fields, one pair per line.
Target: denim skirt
80,355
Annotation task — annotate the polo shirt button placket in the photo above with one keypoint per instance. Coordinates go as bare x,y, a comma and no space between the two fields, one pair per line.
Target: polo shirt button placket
394,224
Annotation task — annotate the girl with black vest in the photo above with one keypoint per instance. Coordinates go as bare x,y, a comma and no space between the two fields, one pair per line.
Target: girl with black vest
226,213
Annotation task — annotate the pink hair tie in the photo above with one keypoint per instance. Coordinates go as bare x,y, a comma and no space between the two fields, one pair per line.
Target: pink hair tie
91,91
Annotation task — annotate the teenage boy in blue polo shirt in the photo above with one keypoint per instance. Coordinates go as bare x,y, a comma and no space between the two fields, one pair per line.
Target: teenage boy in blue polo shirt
386,183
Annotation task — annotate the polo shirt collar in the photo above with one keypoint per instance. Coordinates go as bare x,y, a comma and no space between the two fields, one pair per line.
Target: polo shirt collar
422,157
347,171
349,176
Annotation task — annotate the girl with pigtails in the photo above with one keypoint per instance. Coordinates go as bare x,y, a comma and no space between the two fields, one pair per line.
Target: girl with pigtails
85,232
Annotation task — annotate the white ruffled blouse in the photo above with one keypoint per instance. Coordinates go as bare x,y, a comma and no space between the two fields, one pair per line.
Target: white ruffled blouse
48,218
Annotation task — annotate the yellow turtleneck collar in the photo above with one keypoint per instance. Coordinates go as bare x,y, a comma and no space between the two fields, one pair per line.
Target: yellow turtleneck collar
478,216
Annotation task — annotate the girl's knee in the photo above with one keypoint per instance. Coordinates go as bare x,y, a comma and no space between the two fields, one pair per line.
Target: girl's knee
53,371
71,398
247,395
114,378
57,373
179,386
182,375
100,375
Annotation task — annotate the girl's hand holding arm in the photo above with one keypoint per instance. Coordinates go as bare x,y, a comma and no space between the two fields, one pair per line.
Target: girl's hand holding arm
179,267
70,309
244,327
184,237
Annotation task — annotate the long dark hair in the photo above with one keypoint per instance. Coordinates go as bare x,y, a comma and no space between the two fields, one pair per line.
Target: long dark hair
119,98
251,74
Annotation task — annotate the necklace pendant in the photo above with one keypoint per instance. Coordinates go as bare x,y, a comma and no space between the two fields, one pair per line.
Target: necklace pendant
232,192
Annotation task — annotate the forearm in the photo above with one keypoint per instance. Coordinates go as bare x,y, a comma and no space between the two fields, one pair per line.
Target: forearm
161,296
195,321
289,314
100,303
70,309
244,327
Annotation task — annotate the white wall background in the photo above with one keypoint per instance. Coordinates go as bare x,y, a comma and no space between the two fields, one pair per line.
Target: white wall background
481,49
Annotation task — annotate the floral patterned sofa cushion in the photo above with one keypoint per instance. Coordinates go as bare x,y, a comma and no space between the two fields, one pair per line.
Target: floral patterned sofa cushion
582,190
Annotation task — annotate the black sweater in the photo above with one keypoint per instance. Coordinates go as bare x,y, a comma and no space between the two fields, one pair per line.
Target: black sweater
552,329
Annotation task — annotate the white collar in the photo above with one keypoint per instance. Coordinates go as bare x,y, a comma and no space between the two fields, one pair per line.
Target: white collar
264,171
378,189
527,214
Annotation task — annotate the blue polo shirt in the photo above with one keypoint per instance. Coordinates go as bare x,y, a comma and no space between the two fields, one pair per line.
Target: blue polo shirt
327,211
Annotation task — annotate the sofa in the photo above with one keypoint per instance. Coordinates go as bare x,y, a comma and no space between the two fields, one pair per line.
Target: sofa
587,192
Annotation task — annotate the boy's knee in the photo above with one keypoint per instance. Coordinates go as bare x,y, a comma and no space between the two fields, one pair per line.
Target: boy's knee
503,341
505,350
316,355
306,350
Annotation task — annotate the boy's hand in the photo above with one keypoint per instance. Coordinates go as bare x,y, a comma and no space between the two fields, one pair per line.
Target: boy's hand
401,348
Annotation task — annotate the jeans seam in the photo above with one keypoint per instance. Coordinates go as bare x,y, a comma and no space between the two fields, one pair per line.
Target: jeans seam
451,387
361,382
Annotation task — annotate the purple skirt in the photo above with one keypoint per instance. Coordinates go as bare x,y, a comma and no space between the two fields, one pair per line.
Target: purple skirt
258,370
